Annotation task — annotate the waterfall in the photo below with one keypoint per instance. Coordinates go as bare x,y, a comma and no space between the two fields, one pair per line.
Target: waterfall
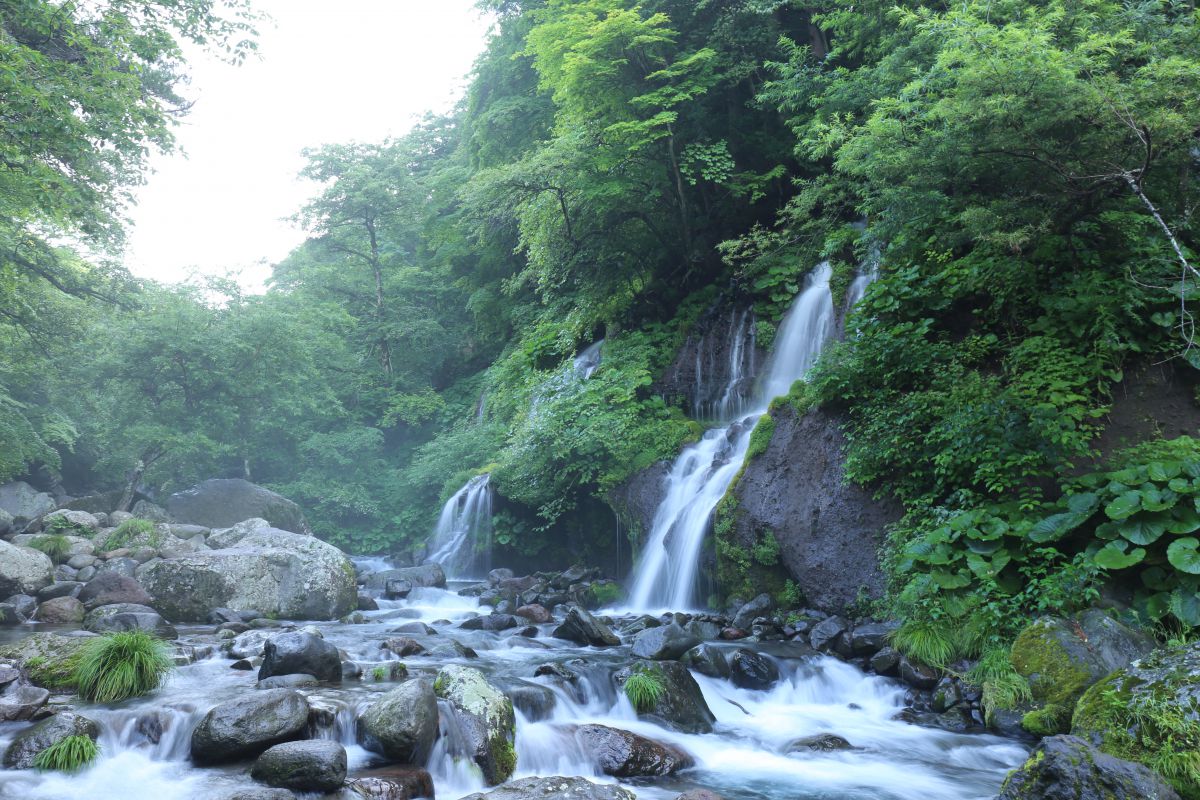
666,576
462,541
740,345
586,362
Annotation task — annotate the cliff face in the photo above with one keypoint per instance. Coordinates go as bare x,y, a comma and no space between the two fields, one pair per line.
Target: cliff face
717,364
828,532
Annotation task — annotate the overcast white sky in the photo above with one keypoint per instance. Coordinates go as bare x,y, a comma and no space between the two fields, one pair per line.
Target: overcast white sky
329,71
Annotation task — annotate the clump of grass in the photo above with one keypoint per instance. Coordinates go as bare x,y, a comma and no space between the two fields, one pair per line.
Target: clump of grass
119,665
644,690
130,530
1002,686
54,545
379,674
68,755
926,642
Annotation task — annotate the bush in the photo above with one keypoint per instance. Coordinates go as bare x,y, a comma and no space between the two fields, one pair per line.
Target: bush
56,546
120,665
644,690
129,531
68,755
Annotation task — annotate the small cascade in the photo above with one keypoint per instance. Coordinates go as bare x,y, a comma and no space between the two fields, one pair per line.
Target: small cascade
462,541
667,575
366,565
731,356
481,408
586,362
580,369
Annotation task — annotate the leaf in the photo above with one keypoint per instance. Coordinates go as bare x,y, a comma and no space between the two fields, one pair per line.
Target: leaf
1108,531
1125,506
1183,555
1164,471
1154,499
1113,556
1185,605
1158,579
1155,606
1183,520
1083,503
1056,526
951,580
1144,528
985,568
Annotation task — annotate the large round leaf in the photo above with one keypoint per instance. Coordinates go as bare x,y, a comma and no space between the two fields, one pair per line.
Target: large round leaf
1056,526
1185,605
1163,471
951,580
1083,503
1124,506
1155,499
1113,556
1184,556
1144,528
1184,519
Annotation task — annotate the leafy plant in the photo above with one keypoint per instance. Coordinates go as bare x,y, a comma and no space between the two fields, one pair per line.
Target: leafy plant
69,754
56,546
644,688
120,665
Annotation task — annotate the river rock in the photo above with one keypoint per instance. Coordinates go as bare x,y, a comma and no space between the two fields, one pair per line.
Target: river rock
296,681
485,718
276,572
665,643
23,570
249,644
24,504
582,628
9,615
60,611
1068,768
622,754
699,794
535,701
224,502
392,783
291,653
681,706
59,589
129,617
751,670
828,635
554,789
81,521
535,613
31,741
402,724
423,575
870,638
112,587
121,565
262,793
820,743
758,607
249,724
316,765
47,658
25,604
708,659
21,701
490,622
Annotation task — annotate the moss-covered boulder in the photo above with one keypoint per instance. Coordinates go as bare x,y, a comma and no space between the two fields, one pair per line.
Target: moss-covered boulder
47,658
1067,768
25,747
677,702
1061,658
484,717
1149,712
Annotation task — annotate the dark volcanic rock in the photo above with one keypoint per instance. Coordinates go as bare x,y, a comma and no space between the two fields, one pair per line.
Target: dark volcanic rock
303,653
665,643
627,755
582,628
317,765
1068,768
751,670
681,706
828,530
247,725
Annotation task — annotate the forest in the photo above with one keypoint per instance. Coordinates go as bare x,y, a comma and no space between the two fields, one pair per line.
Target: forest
1023,176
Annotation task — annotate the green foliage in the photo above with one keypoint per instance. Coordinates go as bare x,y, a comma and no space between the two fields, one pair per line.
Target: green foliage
760,437
132,530
1003,688
644,688
56,546
120,665
69,754
928,643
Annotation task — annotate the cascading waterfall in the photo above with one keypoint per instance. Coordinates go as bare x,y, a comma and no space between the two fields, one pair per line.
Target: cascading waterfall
740,345
586,362
666,576
462,541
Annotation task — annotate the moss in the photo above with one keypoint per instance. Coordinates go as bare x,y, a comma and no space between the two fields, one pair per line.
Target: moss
607,594
504,757
760,437
1055,681
1046,721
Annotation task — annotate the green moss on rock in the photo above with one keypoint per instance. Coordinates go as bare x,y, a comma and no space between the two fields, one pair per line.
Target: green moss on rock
49,660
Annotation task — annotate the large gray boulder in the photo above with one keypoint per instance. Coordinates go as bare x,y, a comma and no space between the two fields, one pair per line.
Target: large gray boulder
681,705
24,503
1068,768
582,628
300,653
23,570
485,719
627,755
828,529
402,724
31,741
277,572
664,643
48,659
554,789
247,725
317,765
128,617
112,587
423,575
224,502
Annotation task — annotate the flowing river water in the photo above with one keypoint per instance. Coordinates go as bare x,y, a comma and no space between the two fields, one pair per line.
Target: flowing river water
745,758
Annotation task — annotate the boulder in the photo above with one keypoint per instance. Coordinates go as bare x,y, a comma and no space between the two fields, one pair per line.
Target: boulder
402,724
59,589
535,701
112,587
868,639
681,705
22,701
60,611
249,724
80,521
828,635
25,604
297,681
1068,768
665,643
582,628
622,754
261,793
47,658
224,502
129,617
819,743
917,675
1061,658
404,646
23,570
121,565
423,575
9,615
317,765
291,653
556,788
751,670
758,607
24,503
249,644
708,659
485,719
392,783
490,622
31,741
289,575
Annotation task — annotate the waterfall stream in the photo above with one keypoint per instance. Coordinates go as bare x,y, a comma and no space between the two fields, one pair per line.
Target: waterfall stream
462,541
667,574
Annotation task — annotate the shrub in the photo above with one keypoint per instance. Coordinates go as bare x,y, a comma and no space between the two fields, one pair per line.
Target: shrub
56,546
120,665
129,531
644,690
68,755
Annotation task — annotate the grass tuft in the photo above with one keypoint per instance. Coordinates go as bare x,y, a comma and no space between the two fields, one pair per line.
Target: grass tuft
68,755
644,690
120,665
1002,686
54,545
129,530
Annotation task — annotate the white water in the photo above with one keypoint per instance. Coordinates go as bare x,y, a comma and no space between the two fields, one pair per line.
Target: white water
586,362
734,394
462,541
667,573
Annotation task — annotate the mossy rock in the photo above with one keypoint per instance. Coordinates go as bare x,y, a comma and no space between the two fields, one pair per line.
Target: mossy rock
1149,712
1061,658
485,719
47,658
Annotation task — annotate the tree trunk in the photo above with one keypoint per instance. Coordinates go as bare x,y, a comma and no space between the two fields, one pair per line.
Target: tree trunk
385,352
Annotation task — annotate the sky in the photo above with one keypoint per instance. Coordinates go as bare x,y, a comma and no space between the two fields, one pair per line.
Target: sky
328,71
